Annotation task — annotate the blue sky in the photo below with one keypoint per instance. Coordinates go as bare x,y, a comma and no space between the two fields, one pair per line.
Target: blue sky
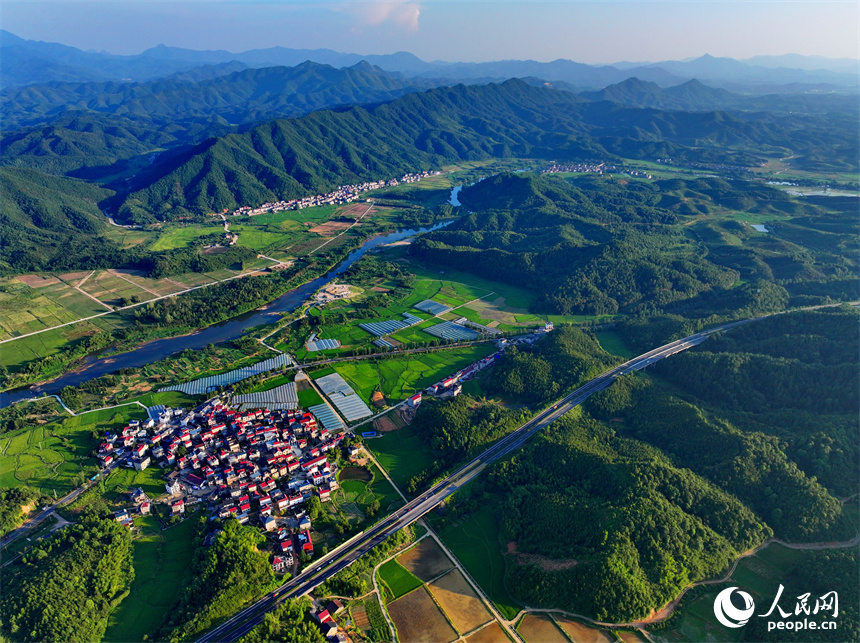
591,32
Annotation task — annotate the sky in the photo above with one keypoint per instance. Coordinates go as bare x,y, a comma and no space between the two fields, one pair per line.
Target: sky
590,32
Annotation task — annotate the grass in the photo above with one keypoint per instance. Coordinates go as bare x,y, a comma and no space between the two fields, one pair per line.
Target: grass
309,397
400,377
611,342
475,543
122,480
52,456
180,237
161,563
399,580
401,453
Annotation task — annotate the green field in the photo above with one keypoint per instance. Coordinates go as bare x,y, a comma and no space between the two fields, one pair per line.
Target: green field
612,343
398,579
161,562
401,453
50,457
401,377
475,543
180,237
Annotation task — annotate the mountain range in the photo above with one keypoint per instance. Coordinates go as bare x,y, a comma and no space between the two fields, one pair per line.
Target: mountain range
289,158
27,62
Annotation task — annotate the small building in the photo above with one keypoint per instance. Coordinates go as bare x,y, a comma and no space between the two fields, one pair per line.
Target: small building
145,507
414,401
141,463
177,507
173,487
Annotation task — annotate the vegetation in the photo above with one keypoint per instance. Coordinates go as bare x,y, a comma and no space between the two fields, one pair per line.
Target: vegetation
225,576
288,623
65,587
398,580
592,245
11,503
314,153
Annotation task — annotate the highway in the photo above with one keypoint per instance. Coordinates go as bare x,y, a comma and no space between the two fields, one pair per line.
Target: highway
340,558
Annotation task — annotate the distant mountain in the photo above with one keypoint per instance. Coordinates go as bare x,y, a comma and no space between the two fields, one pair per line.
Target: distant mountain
229,98
811,63
727,71
312,154
27,62
691,96
694,96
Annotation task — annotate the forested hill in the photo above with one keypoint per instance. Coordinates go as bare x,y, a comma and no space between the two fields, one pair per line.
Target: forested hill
244,96
314,153
51,223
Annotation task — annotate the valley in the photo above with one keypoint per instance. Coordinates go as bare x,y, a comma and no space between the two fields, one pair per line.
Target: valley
440,352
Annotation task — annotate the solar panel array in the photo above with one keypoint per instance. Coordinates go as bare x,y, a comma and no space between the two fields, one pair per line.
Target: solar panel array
390,326
327,417
154,412
383,343
450,330
323,345
432,307
343,397
206,384
282,397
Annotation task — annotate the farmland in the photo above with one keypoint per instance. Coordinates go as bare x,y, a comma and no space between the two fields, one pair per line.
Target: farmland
161,561
539,628
401,377
475,543
401,453
492,633
582,633
426,560
459,601
397,579
418,619
51,457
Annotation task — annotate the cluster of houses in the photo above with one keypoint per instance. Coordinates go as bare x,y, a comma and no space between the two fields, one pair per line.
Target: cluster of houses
329,627
343,194
257,465
596,167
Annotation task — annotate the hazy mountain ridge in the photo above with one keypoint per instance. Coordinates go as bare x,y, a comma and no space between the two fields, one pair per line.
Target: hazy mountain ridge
236,97
27,62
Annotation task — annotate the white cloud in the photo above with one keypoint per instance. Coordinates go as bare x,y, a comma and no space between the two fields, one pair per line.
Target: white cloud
402,14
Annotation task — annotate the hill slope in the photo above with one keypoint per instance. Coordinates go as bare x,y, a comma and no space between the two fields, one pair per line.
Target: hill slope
290,158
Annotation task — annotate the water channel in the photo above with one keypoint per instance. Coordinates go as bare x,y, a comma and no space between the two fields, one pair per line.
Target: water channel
154,351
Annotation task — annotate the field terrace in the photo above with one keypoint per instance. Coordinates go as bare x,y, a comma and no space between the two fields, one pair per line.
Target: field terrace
257,466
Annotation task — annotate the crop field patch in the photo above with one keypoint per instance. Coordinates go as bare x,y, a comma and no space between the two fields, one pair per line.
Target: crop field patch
493,633
330,228
418,619
398,579
459,601
539,628
582,633
426,560
37,281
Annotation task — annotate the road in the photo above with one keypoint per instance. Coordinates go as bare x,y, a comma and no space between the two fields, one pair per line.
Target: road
32,523
349,552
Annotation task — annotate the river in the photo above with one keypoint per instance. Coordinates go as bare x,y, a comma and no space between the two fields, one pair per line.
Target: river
154,351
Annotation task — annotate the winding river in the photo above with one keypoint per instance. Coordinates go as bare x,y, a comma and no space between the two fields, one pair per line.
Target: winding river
159,349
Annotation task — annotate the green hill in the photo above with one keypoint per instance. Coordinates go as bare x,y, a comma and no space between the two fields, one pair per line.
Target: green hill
290,158
52,223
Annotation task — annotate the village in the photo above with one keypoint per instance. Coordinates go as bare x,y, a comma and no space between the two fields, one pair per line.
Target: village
343,194
593,167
